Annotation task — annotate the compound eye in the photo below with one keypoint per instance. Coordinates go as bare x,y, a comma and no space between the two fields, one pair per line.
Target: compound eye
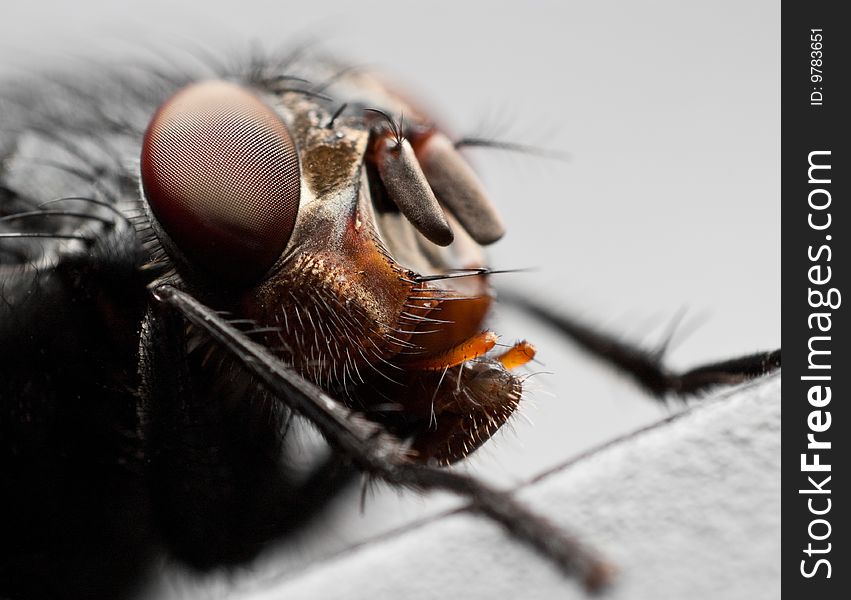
220,172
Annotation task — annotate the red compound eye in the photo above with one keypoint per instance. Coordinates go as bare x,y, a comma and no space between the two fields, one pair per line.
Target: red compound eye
220,172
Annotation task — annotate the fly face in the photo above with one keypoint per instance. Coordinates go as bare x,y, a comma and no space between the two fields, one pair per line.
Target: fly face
351,239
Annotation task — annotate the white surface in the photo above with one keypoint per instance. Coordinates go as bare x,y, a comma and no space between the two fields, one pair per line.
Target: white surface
687,509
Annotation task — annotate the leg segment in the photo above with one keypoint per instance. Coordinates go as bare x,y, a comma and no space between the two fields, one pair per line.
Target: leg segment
646,367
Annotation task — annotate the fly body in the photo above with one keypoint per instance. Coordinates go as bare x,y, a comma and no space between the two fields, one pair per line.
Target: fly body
189,259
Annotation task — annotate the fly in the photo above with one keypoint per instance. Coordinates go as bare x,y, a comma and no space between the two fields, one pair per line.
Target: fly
188,262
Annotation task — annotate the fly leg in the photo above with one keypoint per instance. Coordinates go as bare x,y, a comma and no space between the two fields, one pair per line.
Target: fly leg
645,366
376,452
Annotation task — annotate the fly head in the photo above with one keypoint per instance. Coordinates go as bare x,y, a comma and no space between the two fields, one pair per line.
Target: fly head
349,230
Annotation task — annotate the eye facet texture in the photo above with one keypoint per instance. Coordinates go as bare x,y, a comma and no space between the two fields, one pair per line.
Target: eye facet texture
221,174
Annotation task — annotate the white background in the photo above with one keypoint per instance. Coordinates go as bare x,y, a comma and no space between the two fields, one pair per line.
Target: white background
669,111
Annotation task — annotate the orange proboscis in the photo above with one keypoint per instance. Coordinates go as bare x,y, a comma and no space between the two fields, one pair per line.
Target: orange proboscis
518,355
474,347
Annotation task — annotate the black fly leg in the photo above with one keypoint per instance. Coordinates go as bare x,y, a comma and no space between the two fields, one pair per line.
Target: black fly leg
646,367
380,454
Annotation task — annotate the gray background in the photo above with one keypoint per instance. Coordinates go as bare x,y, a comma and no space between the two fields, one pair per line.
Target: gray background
670,112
